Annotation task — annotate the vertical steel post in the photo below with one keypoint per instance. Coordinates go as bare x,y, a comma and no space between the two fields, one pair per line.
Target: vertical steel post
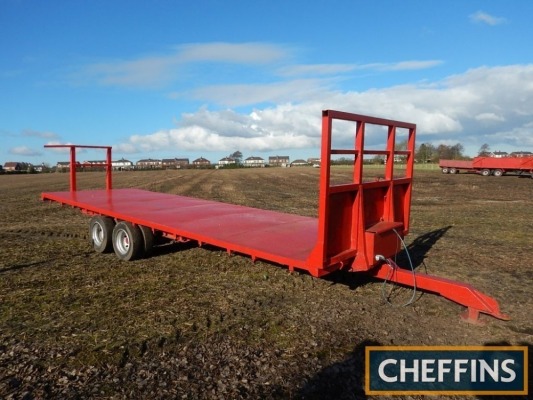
109,167
323,205
359,152
72,168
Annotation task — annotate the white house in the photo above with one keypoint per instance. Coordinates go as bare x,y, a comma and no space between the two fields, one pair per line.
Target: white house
254,162
122,164
226,161
278,161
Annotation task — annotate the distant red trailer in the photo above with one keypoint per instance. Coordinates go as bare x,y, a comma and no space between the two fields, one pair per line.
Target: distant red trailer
360,226
487,166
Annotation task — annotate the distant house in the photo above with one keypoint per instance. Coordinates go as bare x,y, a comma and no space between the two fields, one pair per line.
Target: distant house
182,162
41,168
122,164
314,161
94,164
148,163
400,158
223,162
168,163
174,163
201,162
499,154
299,163
13,166
63,166
254,162
278,161
521,154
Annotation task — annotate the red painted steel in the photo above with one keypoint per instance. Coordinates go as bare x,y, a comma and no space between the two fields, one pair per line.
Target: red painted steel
359,220
518,165
72,149
461,293
360,226
282,238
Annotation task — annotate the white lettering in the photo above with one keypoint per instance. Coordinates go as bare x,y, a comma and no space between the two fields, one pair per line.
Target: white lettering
459,370
381,371
442,369
510,371
426,370
485,367
406,370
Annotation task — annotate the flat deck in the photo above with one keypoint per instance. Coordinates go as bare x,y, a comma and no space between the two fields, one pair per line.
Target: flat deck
282,238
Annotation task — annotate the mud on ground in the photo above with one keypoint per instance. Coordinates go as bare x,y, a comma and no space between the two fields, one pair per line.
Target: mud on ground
196,323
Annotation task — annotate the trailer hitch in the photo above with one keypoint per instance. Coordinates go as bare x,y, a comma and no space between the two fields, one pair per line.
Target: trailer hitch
461,293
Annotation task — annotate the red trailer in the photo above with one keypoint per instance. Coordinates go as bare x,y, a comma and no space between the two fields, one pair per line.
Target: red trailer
487,166
360,227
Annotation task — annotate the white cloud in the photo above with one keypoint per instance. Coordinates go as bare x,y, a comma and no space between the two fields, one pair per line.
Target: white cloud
223,131
412,65
242,53
519,136
489,117
336,69
473,107
181,65
24,151
156,71
316,69
39,134
483,17
144,72
63,150
248,94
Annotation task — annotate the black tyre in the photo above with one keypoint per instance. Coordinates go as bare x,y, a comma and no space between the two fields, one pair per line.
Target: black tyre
148,240
485,172
101,233
498,172
454,171
445,170
128,241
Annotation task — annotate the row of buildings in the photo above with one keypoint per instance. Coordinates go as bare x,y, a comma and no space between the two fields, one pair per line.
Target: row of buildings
165,163
502,154
177,163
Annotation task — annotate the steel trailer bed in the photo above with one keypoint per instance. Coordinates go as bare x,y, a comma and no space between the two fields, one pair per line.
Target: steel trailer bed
486,166
360,224
285,239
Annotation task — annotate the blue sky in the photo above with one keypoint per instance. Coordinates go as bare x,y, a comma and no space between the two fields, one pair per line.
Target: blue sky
206,78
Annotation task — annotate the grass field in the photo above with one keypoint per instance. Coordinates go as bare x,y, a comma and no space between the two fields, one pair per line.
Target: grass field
194,322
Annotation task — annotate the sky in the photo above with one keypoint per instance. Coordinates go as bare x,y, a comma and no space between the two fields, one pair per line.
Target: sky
164,79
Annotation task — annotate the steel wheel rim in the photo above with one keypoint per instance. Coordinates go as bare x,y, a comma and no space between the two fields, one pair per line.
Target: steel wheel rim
122,241
98,234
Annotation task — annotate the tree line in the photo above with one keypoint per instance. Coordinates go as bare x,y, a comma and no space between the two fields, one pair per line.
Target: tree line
429,153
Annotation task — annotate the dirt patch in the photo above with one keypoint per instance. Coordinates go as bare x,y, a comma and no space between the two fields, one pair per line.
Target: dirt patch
196,323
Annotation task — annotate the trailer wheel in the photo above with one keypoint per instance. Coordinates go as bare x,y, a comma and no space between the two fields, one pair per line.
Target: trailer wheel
148,240
498,172
128,241
485,172
101,232
445,170
454,170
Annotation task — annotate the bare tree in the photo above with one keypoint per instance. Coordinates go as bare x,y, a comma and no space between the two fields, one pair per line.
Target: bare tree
484,150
